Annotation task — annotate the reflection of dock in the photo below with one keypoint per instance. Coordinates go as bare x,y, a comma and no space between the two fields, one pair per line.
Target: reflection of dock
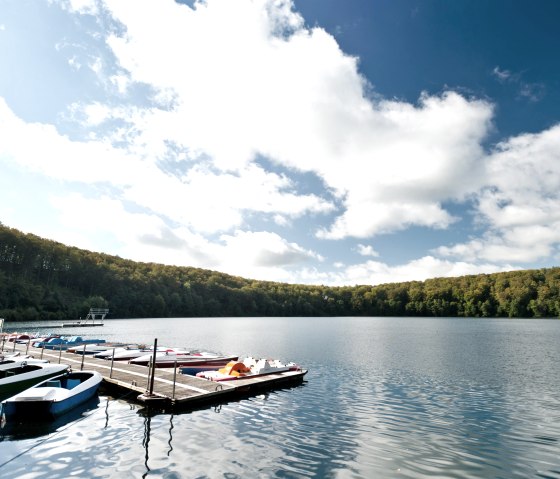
94,317
169,388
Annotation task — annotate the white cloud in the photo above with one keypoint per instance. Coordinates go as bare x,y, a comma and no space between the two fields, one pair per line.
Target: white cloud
375,272
501,75
520,203
367,250
287,92
198,96
260,254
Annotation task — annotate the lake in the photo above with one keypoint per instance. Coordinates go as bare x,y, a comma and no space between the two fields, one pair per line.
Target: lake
384,398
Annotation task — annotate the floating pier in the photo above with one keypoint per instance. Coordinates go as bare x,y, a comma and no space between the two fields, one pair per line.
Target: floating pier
94,317
166,387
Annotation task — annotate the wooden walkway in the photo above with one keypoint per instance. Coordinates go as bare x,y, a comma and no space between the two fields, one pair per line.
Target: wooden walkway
169,389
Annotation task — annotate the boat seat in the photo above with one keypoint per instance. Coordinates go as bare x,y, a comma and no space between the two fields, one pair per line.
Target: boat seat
72,383
53,383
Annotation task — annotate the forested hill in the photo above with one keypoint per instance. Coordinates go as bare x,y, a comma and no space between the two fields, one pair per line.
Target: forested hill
46,280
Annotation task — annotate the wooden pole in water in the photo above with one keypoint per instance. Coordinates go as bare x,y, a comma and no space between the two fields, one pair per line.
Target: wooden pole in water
59,352
27,347
153,368
42,350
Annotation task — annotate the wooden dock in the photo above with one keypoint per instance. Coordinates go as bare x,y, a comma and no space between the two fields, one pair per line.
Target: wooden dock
171,389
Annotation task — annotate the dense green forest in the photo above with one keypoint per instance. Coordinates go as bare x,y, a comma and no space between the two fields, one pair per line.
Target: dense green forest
45,280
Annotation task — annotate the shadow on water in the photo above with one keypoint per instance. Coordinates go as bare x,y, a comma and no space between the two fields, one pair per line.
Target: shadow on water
16,430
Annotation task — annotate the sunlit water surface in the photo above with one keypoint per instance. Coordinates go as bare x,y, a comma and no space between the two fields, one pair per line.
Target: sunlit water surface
384,398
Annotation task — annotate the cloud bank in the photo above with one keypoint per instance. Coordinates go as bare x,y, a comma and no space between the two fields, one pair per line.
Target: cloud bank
212,116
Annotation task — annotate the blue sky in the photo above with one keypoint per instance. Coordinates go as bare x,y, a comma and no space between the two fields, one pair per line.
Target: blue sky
307,141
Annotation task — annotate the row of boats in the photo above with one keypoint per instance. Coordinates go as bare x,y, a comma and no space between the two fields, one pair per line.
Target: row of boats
29,385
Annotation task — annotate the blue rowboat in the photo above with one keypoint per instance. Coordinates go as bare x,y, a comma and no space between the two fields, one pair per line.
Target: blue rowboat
17,376
53,397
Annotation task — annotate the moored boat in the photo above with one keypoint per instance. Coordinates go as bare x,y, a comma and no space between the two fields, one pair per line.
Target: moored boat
53,397
7,361
92,349
65,343
169,359
23,374
127,353
247,368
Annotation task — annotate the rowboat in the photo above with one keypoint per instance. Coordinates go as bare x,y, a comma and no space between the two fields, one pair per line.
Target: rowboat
6,361
92,349
169,359
20,375
128,353
53,397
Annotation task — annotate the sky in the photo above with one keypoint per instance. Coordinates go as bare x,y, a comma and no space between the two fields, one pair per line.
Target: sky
327,142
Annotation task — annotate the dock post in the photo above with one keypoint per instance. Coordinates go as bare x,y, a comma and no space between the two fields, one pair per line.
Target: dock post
59,352
27,347
112,362
14,345
3,342
153,368
174,379
83,357
149,375
42,350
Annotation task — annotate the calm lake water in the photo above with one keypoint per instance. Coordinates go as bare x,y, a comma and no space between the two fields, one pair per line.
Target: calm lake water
384,398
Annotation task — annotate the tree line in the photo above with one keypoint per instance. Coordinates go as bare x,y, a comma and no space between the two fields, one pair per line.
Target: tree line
45,280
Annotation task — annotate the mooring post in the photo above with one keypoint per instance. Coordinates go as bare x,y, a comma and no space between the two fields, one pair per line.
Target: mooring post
153,368
174,379
59,352
27,347
112,362
149,375
14,344
83,357
42,350
3,342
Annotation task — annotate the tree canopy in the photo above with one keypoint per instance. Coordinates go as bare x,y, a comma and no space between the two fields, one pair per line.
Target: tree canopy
45,280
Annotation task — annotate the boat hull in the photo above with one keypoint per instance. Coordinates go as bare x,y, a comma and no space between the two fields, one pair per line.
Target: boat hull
49,408
12,385
188,361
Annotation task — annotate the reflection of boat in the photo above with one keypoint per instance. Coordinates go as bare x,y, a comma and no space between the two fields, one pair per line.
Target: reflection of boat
168,359
65,343
23,374
53,397
248,368
16,430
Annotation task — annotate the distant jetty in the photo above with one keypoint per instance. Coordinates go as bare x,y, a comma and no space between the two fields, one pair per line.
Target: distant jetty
94,317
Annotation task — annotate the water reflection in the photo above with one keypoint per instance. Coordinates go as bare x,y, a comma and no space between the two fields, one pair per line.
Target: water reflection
18,430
